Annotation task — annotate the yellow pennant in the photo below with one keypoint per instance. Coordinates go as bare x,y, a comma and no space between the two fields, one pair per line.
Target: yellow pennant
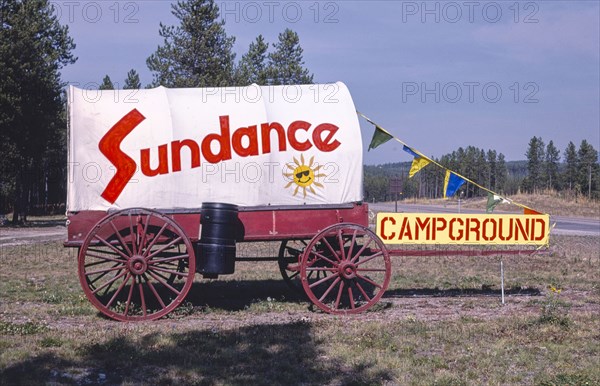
417,164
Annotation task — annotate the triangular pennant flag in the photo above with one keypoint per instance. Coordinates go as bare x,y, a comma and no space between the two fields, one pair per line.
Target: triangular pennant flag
493,200
451,183
380,137
410,151
417,164
530,211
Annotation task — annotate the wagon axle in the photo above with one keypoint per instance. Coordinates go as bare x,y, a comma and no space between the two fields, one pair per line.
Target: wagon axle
347,270
137,265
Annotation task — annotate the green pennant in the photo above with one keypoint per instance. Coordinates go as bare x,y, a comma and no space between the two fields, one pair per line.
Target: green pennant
491,203
493,200
379,138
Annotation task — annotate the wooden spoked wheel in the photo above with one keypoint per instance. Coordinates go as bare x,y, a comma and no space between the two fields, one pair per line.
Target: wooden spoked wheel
290,255
136,264
354,265
288,260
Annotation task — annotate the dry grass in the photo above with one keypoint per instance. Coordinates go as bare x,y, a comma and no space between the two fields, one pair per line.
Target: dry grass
551,202
441,323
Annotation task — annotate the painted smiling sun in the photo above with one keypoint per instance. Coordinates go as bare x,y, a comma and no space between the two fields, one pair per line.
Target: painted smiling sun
304,176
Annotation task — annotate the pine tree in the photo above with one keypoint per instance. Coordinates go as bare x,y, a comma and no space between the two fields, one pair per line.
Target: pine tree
501,174
587,158
252,68
34,47
535,164
551,165
197,52
483,170
570,174
106,84
286,65
492,163
132,82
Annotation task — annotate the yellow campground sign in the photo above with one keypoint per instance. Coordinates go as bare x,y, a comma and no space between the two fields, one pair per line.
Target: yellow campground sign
429,228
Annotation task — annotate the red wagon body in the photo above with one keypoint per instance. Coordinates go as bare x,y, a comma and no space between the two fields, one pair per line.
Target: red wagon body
259,223
138,264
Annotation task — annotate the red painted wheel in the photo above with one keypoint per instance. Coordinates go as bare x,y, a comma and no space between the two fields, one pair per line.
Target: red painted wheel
355,269
136,264
290,253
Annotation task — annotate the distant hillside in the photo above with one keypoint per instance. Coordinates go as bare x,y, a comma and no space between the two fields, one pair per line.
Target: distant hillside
517,169
397,169
576,174
385,181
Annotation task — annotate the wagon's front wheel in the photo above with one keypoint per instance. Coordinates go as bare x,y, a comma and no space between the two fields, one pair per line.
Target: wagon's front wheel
136,264
355,265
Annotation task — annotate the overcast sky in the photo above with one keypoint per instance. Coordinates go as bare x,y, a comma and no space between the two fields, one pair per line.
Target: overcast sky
438,75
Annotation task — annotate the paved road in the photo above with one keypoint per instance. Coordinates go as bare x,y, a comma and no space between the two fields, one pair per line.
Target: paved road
20,236
564,225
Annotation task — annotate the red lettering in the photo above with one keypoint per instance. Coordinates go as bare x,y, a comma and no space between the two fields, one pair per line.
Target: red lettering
501,227
542,230
110,147
224,143
176,147
323,138
485,228
423,225
473,226
294,127
439,228
265,133
460,231
405,230
523,230
163,162
383,221
326,144
236,141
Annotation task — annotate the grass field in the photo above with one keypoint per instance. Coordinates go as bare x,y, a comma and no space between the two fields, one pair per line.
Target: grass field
440,323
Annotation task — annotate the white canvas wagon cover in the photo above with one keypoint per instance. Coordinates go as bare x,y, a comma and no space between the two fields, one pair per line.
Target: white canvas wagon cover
177,148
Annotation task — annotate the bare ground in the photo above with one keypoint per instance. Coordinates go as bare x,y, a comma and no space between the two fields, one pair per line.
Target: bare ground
433,325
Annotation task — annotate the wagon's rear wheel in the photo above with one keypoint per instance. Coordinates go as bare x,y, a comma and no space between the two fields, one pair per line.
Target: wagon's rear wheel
136,264
355,265
290,255
288,260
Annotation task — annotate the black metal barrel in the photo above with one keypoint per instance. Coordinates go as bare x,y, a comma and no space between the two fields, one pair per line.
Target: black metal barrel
216,254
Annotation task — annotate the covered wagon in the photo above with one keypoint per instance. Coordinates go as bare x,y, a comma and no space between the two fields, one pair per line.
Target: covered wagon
163,184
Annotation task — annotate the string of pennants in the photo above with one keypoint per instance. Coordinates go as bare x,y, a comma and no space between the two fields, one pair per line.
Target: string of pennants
452,180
